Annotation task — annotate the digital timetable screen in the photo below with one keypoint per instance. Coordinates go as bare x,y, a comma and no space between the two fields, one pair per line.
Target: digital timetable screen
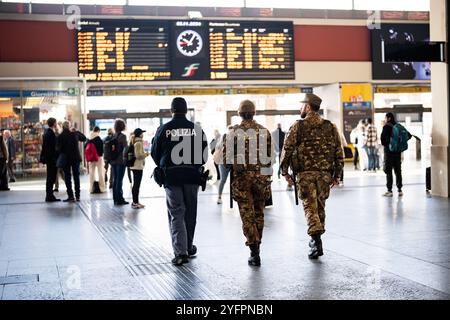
118,50
251,50
152,50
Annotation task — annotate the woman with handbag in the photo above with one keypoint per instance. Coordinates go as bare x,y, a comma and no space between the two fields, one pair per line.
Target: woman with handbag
138,166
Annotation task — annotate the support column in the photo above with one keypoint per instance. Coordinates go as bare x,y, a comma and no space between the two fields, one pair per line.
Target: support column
440,152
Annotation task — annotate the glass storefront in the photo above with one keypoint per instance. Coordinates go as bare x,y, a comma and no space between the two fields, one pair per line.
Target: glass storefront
25,107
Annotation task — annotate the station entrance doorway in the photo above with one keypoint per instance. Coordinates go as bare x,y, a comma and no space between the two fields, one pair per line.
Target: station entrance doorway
148,121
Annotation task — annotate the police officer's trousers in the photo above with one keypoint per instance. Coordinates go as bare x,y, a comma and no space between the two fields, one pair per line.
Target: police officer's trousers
182,210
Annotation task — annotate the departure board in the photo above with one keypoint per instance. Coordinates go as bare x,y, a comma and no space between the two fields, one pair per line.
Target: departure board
251,50
151,50
123,50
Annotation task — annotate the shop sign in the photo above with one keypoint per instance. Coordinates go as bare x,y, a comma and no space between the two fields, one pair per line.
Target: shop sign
46,93
421,89
357,105
195,92
95,93
9,93
266,90
73,91
356,92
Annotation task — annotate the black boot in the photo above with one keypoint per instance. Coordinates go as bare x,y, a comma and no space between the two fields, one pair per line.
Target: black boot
316,247
254,259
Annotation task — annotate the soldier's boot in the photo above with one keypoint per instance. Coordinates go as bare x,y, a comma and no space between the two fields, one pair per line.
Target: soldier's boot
254,259
315,245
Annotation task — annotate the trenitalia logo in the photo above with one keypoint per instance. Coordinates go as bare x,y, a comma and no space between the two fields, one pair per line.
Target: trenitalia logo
190,70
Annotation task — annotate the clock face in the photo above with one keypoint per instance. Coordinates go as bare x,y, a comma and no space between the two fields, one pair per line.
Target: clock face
189,43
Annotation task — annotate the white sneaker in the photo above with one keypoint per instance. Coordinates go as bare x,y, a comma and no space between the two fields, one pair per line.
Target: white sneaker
388,194
219,201
400,193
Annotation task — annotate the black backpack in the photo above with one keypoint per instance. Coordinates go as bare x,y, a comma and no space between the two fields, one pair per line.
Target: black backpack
112,151
128,156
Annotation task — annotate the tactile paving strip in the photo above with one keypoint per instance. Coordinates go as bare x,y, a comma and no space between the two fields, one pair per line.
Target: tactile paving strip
145,260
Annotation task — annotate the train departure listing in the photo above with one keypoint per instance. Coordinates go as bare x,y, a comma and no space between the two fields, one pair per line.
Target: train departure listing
124,51
146,50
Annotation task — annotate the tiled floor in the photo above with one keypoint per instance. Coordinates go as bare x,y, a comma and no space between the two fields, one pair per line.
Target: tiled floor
375,247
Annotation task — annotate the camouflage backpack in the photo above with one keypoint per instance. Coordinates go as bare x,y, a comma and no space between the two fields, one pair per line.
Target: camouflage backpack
314,147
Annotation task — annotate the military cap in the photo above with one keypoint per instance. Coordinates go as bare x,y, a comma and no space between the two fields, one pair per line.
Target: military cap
311,99
247,106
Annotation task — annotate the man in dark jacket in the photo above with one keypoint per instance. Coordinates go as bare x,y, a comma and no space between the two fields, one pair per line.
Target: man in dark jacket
181,149
68,147
48,157
11,145
278,141
392,160
3,164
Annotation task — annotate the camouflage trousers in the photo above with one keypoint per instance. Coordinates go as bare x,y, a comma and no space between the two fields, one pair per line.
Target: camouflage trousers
251,190
314,189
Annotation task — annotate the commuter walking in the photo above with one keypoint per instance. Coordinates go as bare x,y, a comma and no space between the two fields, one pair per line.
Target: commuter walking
3,164
357,137
224,170
394,138
107,159
138,167
115,149
180,149
318,166
252,174
278,136
344,145
59,171
94,158
69,159
370,144
48,157
214,142
11,145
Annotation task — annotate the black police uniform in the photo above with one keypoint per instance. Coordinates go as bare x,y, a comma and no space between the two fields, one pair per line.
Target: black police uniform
180,148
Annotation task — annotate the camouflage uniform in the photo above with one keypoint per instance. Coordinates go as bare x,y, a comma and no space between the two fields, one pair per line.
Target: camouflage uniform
313,148
251,177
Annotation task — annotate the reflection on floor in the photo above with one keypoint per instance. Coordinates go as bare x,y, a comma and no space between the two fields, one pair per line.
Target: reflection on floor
375,247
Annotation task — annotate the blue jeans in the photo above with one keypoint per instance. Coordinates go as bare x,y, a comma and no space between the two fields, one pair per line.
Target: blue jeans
119,173
371,154
224,171
68,171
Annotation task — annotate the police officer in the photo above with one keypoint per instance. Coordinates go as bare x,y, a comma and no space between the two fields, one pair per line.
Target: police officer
180,148
313,148
248,149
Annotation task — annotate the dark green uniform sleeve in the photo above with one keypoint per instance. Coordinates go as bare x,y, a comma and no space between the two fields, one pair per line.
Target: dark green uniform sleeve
290,143
338,154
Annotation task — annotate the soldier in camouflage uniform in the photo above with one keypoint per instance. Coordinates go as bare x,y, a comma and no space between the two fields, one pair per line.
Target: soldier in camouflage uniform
248,148
312,148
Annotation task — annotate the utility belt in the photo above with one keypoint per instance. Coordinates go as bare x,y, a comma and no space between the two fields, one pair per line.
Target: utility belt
180,175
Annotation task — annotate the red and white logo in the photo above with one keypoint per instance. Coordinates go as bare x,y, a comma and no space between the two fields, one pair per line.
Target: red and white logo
190,70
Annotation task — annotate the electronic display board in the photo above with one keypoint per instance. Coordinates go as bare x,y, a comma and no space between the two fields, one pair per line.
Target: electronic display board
151,50
251,50
123,50
407,33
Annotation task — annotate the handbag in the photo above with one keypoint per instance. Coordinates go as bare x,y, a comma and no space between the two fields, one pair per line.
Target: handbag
61,162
